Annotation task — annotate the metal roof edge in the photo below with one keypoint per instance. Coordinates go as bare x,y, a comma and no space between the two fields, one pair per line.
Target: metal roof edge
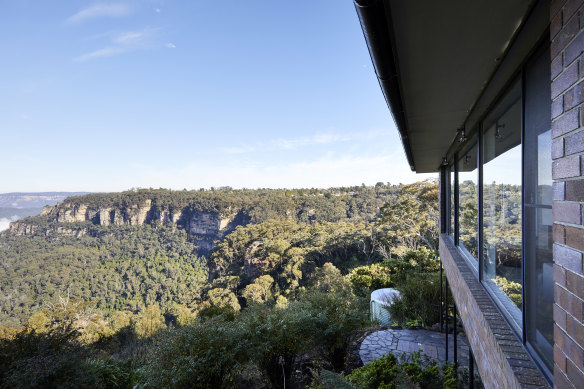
379,39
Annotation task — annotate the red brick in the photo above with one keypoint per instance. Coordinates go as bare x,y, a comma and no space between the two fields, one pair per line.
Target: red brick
559,232
574,96
572,305
566,212
557,66
574,326
575,237
570,348
575,284
555,25
560,358
556,6
559,275
566,167
568,258
560,380
557,107
560,316
570,10
574,143
558,148
575,190
558,44
574,49
565,123
565,80
559,190
575,374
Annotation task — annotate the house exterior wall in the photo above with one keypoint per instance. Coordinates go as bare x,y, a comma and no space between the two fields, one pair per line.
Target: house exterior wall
500,357
567,75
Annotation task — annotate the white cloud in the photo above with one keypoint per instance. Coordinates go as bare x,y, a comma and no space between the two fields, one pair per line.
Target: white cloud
237,149
170,45
129,38
157,10
320,138
105,52
326,171
4,224
121,43
99,11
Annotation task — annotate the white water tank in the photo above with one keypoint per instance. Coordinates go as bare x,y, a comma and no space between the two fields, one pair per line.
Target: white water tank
380,300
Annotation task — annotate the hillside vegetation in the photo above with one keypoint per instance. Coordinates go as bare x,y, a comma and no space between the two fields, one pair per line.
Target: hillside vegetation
283,290
285,233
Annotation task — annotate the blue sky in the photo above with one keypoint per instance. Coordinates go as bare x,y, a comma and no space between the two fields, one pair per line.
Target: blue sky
106,96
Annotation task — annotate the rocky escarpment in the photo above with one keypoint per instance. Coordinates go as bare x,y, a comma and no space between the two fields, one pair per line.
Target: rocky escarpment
204,227
30,228
134,215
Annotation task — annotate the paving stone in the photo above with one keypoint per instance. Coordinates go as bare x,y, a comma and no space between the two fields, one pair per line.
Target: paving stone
402,343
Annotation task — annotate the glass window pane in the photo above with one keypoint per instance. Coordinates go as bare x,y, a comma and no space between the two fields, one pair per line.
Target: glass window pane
539,283
468,224
452,211
502,215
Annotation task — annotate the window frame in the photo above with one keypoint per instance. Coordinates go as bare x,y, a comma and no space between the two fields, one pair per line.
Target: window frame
459,150
473,262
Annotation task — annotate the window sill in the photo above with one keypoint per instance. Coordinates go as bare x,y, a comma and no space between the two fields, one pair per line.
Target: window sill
497,351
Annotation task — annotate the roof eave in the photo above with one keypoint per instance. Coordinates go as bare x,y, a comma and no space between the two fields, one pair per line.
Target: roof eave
379,38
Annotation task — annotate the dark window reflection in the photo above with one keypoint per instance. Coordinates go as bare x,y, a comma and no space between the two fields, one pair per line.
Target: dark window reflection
452,212
538,210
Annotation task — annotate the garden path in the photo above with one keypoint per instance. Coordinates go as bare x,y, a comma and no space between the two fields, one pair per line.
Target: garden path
406,341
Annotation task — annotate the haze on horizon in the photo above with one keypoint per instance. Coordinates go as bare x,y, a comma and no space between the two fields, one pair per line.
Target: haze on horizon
106,96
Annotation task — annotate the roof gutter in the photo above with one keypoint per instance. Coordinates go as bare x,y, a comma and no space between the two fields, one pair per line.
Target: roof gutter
379,39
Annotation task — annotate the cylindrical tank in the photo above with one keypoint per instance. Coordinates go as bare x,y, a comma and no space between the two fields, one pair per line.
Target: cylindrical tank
380,300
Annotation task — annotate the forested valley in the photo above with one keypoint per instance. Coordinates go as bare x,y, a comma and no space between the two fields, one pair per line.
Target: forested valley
270,289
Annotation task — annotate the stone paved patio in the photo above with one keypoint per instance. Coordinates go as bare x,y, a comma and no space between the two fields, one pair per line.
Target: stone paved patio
400,342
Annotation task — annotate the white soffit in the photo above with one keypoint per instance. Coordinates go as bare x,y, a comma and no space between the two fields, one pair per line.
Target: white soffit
446,52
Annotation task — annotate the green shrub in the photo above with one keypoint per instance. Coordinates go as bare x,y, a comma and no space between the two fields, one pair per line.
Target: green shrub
416,372
422,260
381,373
326,379
426,373
512,289
276,336
364,279
202,355
43,361
334,317
419,301
111,373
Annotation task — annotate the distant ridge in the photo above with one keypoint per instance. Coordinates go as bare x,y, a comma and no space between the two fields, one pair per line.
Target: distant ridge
34,199
18,205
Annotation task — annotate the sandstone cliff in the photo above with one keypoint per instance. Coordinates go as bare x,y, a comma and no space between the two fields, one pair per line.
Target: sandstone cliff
204,227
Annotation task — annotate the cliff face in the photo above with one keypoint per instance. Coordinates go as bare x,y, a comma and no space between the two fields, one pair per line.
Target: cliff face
203,227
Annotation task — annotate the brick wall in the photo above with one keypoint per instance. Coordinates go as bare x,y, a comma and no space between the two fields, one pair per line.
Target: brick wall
567,73
501,359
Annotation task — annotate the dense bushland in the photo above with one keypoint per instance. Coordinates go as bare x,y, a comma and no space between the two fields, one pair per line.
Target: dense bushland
275,302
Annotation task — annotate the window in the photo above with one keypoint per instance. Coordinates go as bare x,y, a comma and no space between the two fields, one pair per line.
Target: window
502,215
468,201
452,175
505,174
539,292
